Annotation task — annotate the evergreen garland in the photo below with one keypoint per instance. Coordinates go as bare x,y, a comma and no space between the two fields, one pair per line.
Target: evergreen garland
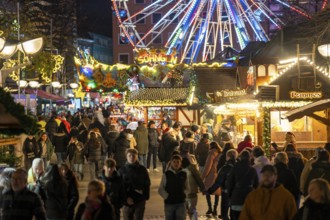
266,132
28,122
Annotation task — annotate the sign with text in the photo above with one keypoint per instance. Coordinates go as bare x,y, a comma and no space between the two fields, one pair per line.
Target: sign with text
155,56
305,95
222,95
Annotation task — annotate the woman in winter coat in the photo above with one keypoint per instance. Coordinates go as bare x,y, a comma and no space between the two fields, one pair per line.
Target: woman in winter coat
96,205
209,176
202,151
46,147
30,150
73,193
93,152
242,179
317,205
121,144
56,190
35,174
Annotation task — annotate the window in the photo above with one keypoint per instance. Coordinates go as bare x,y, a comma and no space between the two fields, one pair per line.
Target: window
271,70
139,1
261,70
157,39
176,20
124,58
156,17
140,18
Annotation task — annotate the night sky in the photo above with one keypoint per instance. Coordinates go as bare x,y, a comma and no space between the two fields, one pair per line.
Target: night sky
95,16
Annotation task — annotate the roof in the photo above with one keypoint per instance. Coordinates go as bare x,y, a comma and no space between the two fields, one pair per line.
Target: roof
308,110
226,55
7,120
250,51
158,97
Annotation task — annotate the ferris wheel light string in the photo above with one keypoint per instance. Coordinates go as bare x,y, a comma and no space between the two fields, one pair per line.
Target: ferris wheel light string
146,8
324,4
264,13
294,9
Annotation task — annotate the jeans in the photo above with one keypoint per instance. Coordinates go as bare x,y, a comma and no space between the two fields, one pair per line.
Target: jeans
61,157
143,159
134,212
152,152
175,211
224,205
191,204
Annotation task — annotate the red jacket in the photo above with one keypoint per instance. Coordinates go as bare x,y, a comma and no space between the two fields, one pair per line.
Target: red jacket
243,144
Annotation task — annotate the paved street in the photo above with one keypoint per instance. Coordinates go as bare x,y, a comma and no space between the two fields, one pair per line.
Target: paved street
154,207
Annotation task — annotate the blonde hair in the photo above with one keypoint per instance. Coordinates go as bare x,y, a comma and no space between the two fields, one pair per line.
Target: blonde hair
97,185
281,157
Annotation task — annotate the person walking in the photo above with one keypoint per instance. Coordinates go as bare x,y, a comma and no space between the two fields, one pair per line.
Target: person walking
35,174
168,146
202,151
137,185
31,150
78,161
72,148
189,143
73,193
51,127
56,190
19,198
142,143
221,181
120,145
270,200
47,148
114,186
172,189
209,176
317,205
97,205
60,142
112,135
153,145
93,152
260,160
242,179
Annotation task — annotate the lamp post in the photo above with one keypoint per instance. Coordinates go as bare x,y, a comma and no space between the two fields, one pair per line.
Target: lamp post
324,50
74,86
22,84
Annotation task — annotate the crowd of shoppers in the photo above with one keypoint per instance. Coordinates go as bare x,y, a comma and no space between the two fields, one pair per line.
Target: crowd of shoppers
251,184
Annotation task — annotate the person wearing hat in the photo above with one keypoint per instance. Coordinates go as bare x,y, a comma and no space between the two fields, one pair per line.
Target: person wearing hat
270,200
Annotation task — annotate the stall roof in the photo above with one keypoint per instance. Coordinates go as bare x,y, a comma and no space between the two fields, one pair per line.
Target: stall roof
46,95
158,97
7,120
308,110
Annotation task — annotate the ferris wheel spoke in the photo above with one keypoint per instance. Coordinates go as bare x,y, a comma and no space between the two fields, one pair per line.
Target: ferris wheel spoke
268,13
294,8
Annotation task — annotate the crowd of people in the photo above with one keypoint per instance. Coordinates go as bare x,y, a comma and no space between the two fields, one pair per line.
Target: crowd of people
245,182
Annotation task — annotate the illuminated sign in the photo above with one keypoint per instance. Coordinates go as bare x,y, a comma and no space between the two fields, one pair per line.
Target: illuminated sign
155,56
305,95
230,93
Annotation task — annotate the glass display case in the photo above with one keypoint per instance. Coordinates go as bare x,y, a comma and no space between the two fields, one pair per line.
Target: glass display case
156,114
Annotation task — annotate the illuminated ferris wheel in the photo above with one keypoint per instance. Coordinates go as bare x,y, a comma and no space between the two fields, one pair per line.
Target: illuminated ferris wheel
199,29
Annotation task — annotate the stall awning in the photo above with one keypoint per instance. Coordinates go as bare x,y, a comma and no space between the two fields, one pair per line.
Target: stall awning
308,110
7,120
48,96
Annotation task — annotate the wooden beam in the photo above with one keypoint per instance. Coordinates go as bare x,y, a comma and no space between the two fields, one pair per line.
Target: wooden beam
320,119
327,113
184,114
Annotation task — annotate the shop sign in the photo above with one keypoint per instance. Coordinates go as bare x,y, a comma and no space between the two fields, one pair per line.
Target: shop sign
230,93
305,95
155,56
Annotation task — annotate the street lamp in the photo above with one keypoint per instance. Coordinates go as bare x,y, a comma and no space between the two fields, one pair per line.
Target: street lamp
324,50
74,86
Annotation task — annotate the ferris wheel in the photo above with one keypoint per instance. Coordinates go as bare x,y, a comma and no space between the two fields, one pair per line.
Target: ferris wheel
199,29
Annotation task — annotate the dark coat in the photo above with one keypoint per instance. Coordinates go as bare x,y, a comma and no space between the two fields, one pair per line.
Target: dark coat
135,177
152,138
73,193
93,150
121,144
31,149
286,177
222,177
72,147
114,189
96,124
202,151
57,200
315,211
105,212
242,179
320,169
60,142
296,164
51,128
169,143
110,140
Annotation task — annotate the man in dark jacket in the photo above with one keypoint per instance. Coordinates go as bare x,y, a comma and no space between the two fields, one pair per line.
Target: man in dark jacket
137,185
142,143
221,180
114,186
19,198
51,128
153,145
60,142
110,139
169,143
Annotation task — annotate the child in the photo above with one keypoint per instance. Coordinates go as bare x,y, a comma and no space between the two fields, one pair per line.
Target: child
172,189
78,161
